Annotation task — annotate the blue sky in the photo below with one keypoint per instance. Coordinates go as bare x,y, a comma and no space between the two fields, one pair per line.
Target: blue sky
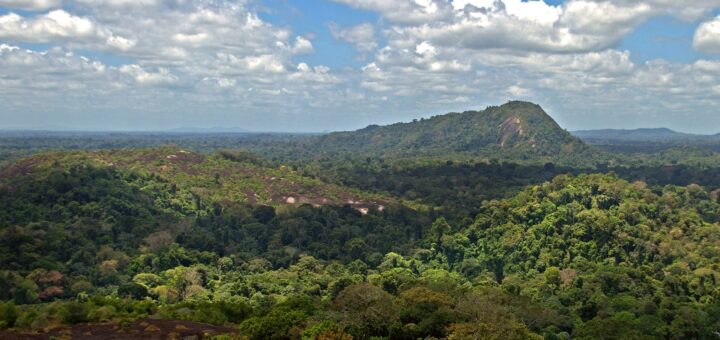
313,18
292,65
663,37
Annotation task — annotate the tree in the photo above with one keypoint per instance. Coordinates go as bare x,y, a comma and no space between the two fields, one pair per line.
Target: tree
133,290
367,310
613,328
552,277
439,228
429,312
73,312
484,315
8,315
264,213
158,241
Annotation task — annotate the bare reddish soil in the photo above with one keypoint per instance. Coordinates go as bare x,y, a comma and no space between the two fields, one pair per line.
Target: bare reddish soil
140,329
22,167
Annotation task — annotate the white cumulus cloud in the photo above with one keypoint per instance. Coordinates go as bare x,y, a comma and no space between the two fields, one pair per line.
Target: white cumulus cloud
56,24
59,25
362,36
707,36
302,46
142,76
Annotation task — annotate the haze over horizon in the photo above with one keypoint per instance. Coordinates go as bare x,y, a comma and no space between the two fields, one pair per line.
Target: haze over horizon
236,129
311,66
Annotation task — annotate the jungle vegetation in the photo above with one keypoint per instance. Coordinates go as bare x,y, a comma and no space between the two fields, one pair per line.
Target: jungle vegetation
384,243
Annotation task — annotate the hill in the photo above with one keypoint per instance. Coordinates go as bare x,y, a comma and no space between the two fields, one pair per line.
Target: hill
516,130
227,177
80,217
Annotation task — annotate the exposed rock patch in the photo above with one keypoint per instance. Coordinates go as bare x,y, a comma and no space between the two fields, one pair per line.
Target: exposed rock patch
509,128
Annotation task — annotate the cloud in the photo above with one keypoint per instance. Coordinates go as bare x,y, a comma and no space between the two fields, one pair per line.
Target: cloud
59,25
179,40
56,24
405,11
160,77
707,36
191,39
317,74
685,10
575,26
421,70
31,5
123,3
24,72
265,63
119,42
519,92
579,26
302,46
362,36
216,52
165,58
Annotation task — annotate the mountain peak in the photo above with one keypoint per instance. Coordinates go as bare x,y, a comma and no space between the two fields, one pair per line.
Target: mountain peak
516,104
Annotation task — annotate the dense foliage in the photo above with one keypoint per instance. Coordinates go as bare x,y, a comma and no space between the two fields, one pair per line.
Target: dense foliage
408,238
86,241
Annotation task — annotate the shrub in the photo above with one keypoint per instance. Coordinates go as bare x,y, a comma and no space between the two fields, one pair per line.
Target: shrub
81,286
26,317
104,313
74,312
321,329
132,290
8,315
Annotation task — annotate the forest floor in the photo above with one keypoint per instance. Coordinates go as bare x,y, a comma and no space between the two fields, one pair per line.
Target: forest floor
140,329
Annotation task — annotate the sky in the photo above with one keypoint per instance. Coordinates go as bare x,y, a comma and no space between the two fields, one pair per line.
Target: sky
322,65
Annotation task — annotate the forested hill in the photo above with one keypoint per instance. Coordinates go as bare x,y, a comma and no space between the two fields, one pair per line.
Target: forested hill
516,130
181,180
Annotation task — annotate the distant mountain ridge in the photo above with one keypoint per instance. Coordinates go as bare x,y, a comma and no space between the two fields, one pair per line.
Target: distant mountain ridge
208,130
642,135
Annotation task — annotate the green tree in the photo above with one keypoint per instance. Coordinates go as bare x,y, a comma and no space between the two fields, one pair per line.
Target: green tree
367,310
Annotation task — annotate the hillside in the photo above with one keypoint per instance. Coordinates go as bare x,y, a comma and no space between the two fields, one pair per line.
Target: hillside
224,178
84,222
515,130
